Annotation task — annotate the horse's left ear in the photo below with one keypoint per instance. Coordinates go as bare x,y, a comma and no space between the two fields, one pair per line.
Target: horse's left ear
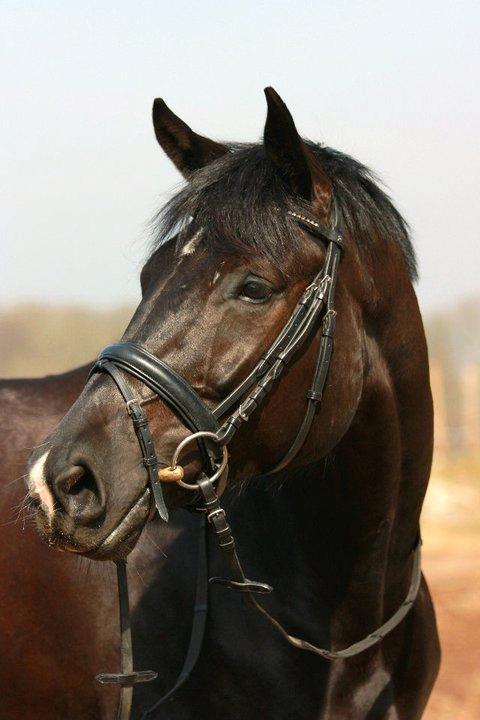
294,160
186,149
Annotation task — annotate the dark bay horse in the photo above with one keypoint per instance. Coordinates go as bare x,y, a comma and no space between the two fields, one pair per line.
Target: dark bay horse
333,532
58,612
46,606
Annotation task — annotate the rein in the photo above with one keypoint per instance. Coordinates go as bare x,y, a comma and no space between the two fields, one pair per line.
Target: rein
212,437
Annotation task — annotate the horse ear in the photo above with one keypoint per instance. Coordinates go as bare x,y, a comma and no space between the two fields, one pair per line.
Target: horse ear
187,150
294,160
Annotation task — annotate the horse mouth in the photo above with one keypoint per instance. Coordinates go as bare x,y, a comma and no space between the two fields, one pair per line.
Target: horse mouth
122,539
118,543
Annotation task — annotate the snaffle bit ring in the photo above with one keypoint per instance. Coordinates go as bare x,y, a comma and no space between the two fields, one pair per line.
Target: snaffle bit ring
177,469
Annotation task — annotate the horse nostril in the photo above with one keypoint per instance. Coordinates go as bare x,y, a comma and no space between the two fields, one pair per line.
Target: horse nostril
80,494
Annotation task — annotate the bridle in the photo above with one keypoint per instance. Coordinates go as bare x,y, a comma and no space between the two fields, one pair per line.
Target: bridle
212,437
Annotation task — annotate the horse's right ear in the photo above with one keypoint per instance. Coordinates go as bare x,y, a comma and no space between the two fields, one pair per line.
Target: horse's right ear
293,159
187,150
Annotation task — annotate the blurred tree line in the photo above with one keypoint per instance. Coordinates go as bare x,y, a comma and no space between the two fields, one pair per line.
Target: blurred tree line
38,340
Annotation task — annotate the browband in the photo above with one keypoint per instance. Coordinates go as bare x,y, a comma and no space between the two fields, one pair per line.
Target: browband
324,232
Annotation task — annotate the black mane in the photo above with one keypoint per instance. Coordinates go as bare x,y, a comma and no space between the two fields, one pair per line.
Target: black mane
243,203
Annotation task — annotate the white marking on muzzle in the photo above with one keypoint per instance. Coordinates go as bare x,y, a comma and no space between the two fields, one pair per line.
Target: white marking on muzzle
38,487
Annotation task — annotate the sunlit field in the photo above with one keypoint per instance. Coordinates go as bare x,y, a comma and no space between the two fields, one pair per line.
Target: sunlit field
451,532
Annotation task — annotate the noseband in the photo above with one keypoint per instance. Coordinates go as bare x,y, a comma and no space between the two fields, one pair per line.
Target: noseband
213,430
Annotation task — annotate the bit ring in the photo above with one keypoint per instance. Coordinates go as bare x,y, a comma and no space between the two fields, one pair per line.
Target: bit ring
186,441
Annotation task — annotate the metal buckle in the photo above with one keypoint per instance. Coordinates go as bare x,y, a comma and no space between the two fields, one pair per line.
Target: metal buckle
129,404
219,512
330,314
242,414
323,287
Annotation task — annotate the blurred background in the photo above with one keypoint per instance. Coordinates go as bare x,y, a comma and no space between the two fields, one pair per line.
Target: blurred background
394,84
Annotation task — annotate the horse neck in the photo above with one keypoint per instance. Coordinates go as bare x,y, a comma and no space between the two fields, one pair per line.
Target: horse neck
343,528
382,464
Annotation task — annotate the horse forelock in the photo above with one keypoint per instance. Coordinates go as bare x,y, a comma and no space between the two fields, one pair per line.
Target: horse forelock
241,205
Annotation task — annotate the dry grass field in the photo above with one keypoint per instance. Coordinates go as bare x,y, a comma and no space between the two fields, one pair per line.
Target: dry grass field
451,530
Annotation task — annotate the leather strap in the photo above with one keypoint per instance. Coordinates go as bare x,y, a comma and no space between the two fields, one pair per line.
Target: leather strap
168,385
180,397
317,297
248,587
200,611
370,640
142,431
315,227
127,677
217,517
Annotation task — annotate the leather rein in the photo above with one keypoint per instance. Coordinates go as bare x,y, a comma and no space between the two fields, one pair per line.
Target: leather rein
212,437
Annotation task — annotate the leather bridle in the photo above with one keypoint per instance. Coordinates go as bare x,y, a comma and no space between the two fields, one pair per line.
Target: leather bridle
213,430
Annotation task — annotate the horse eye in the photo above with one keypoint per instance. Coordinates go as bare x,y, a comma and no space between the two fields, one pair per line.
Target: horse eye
255,291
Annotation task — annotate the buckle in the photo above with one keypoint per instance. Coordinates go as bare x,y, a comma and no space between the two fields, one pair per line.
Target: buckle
129,404
218,513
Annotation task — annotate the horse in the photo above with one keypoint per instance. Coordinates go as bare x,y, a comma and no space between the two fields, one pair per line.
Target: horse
266,251
51,603
46,604
40,593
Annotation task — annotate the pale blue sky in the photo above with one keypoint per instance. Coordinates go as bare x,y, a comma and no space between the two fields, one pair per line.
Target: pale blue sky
395,84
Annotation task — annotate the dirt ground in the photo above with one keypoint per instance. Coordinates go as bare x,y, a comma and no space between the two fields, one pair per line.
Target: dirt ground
451,530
